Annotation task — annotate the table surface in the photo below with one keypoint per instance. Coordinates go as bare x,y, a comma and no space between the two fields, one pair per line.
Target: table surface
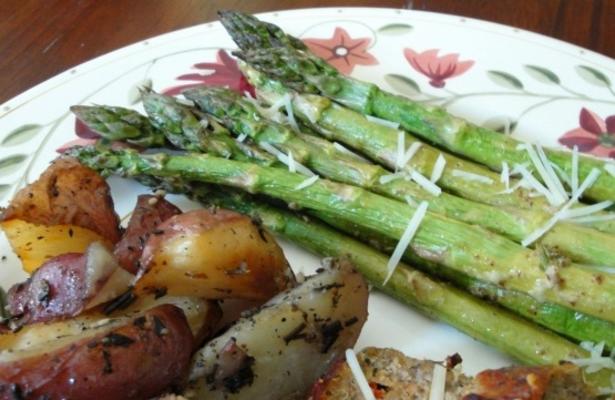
41,38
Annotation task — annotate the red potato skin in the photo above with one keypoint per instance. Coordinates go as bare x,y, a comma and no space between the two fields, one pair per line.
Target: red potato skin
67,193
153,360
149,212
55,290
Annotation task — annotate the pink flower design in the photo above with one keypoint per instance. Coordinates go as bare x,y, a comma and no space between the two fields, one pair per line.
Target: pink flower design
342,51
437,69
595,135
225,73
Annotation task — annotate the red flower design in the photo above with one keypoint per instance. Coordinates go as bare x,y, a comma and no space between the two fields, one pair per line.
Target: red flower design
225,73
595,135
342,51
437,69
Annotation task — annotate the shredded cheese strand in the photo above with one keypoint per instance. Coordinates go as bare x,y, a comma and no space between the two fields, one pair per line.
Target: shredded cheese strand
574,171
610,168
406,238
241,138
414,147
425,183
342,149
538,233
562,175
559,188
534,184
292,167
290,115
308,182
284,158
587,210
438,169
401,148
469,176
384,179
438,383
593,218
505,175
547,177
359,376
383,122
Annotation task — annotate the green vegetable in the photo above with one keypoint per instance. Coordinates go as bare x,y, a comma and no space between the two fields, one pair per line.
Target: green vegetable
468,249
580,243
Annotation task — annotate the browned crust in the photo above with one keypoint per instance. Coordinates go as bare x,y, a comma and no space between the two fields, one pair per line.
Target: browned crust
67,193
135,361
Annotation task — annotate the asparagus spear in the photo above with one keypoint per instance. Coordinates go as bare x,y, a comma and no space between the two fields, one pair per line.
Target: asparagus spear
491,325
581,244
296,66
560,319
563,320
179,124
118,123
380,143
469,249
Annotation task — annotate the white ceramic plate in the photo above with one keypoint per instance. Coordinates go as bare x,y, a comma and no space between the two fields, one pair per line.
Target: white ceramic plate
513,80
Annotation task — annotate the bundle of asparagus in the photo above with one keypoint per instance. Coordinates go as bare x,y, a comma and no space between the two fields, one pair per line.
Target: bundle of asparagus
473,232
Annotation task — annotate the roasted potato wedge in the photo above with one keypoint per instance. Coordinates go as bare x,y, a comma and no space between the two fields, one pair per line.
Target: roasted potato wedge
67,285
149,212
67,193
123,358
278,352
215,254
36,244
202,317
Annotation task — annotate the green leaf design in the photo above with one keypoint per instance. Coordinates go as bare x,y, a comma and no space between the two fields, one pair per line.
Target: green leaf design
402,84
505,79
593,76
21,134
500,124
4,189
395,29
542,74
11,163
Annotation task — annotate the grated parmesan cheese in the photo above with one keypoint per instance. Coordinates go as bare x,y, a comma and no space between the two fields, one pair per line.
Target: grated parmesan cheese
414,147
406,238
438,169
610,168
543,167
587,210
596,361
534,183
425,183
401,148
284,158
538,233
359,376
289,113
384,179
562,175
383,122
574,171
593,218
438,383
346,150
292,167
505,175
308,182
469,176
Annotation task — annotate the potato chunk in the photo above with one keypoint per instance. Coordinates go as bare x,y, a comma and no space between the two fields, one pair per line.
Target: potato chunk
278,352
216,255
